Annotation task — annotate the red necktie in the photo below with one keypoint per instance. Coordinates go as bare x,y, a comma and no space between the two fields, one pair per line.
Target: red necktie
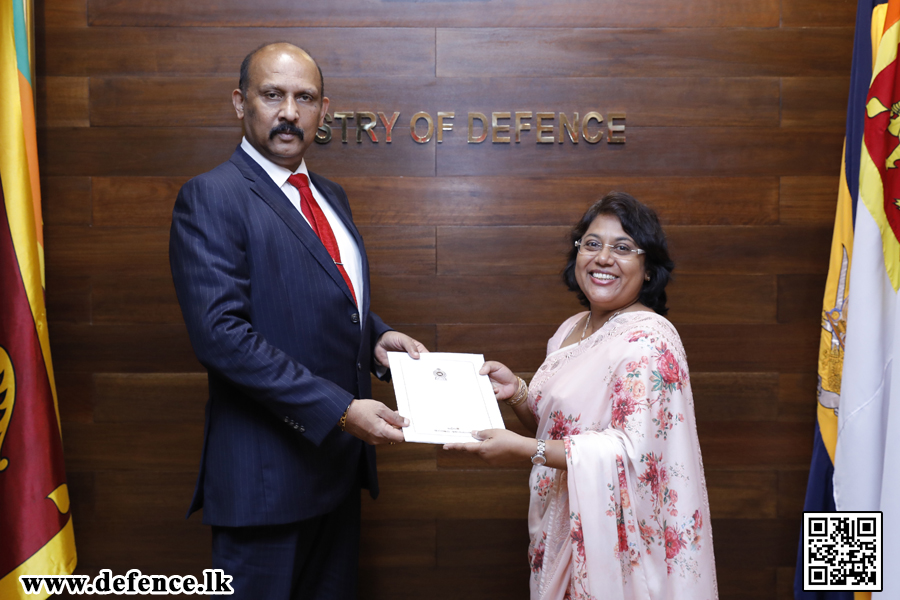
319,223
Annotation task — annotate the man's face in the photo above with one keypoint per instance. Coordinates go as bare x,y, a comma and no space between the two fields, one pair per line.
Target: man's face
283,106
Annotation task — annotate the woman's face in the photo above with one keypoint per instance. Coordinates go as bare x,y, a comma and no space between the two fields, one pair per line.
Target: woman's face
609,282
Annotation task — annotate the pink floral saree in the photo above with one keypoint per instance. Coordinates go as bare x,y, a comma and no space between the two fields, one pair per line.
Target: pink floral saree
630,517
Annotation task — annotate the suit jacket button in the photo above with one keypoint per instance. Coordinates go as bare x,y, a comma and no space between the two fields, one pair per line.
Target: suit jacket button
354,317
296,426
359,366
302,429
287,419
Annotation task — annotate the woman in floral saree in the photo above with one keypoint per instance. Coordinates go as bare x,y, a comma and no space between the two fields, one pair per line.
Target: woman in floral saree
619,508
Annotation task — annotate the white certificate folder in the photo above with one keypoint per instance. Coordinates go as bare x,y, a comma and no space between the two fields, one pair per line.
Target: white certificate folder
443,396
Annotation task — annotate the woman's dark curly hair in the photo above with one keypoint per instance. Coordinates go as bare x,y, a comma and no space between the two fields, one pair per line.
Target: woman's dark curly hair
641,223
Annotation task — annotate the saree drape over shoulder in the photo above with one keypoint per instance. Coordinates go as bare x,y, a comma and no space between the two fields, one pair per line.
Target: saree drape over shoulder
630,517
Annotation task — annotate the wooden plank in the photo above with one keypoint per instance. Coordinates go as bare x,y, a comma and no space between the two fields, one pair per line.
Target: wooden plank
400,250
695,250
164,494
445,13
519,348
148,447
196,101
68,297
134,201
722,299
136,297
173,547
85,251
61,13
500,542
742,494
66,200
75,394
475,583
814,101
493,494
800,297
809,200
147,201
652,151
62,102
792,492
545,299
746,583
149,397
751,348
797,395
776,250
808,13
187,51
735,396
130,348
755,543
780,51
175,151
770,444
401,543
407,457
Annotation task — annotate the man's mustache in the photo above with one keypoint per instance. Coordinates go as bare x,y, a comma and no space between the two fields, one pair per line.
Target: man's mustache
286,128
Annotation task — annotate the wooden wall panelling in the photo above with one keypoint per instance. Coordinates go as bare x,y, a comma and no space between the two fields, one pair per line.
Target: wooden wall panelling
808,200
780,52
198,101
812,101
66,200
147,201
754,348
654,151
62,102
60,13
798,297
446,13
213,51
695,250
122,348
808,13
190,151
744,397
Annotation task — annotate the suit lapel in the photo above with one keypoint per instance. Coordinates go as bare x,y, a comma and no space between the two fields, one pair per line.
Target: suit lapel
263,187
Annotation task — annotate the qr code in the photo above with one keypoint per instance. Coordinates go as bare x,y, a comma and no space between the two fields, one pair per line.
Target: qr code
842,551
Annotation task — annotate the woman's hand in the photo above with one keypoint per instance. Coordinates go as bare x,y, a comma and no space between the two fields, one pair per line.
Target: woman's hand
504,381
499,447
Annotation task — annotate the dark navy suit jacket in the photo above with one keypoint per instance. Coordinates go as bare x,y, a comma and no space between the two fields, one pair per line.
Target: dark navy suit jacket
272,320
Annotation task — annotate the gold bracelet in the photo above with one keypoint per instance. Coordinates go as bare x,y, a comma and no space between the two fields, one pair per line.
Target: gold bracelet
521,394
343,422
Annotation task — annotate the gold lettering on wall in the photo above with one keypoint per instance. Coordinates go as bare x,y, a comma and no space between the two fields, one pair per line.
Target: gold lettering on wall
591,127
616,130
482,118
570,127
442,127
541,129
520,126
496,128
388,125
344,117
421,139
592,139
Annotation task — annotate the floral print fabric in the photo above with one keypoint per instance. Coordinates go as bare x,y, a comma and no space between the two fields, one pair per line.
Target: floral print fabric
630,517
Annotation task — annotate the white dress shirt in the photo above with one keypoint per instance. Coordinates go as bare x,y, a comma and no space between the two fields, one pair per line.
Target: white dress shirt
350,256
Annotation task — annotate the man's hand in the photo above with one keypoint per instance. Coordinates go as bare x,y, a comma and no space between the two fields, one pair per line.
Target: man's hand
374,423
394,341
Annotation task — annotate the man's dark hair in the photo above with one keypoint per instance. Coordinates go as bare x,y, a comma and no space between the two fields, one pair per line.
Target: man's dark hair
244,79
641,223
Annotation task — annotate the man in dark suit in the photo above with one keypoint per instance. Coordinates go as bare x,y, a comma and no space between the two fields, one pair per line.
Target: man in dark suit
272,278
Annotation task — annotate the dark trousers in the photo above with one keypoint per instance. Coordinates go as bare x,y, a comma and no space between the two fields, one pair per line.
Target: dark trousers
316,559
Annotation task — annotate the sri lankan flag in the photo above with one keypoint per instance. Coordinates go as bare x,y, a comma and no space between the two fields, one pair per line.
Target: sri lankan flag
836,306
35,521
